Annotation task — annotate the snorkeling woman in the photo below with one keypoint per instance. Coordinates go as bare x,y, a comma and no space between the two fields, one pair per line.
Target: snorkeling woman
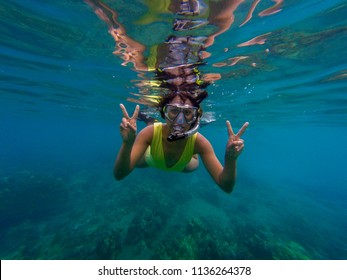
176,144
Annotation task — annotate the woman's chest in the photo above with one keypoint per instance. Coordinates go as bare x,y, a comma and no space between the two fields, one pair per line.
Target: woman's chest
173,152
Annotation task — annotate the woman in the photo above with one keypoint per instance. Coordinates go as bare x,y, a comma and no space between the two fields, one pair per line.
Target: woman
157,144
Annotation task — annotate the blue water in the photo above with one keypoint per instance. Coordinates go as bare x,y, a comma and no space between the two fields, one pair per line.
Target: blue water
60,89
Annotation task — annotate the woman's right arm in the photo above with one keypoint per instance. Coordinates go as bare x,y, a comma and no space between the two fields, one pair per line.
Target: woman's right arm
130,153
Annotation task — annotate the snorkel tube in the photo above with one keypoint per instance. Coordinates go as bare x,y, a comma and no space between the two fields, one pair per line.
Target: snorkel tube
176,135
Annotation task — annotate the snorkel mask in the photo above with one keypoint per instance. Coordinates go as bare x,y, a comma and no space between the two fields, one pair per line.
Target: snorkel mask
181,115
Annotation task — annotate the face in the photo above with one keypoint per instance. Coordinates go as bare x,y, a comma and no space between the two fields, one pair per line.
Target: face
179,114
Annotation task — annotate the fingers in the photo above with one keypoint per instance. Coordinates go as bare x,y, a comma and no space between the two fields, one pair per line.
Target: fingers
243,129
125,124
234,148
239,148
132,127
240,132
124,111
237,142
230,129
136,112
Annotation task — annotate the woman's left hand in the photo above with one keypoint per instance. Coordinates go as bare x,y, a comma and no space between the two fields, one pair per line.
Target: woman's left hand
235,144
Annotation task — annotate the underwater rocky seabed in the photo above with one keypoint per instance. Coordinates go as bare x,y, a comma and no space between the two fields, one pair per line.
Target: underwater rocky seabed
88,215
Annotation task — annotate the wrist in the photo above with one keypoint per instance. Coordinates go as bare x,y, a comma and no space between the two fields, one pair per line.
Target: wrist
128,143
230,157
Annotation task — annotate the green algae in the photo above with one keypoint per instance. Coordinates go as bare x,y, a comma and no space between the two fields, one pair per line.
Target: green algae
148,221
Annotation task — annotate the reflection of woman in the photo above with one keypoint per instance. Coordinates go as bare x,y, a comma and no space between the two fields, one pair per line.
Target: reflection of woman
175,62
219,14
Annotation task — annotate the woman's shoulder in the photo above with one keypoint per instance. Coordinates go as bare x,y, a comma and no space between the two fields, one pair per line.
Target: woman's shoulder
201,143
201,138
146,134
147,130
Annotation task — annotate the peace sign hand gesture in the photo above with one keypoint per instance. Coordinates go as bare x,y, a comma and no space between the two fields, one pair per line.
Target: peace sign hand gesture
128,126
235,143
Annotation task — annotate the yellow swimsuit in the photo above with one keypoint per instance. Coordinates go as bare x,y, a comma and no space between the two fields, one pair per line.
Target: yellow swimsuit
154,155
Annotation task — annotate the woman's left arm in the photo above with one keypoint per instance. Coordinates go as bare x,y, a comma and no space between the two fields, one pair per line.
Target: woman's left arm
224,177
233,149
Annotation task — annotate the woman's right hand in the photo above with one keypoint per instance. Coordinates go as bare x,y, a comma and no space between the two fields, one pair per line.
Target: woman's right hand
128,125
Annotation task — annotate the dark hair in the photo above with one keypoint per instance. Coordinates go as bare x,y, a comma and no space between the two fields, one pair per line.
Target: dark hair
195,97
